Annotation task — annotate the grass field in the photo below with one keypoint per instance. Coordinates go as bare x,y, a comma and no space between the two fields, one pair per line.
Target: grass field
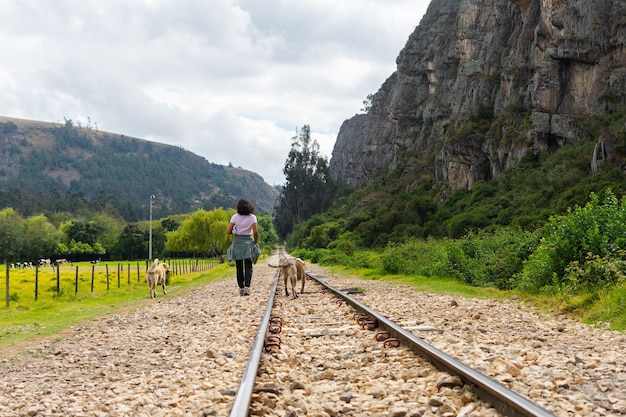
55,311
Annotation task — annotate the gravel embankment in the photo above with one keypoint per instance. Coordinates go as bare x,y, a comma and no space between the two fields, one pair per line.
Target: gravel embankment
185,356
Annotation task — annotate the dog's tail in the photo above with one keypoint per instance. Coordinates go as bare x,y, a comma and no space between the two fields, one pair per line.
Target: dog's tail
300,260
154,265
280,264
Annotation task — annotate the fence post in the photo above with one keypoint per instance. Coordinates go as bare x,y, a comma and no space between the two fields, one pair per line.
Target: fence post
138,274
36,281
58,280
7,285
119,266
93,268
76,281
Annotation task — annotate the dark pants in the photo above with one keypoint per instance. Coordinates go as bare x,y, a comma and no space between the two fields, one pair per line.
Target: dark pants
244,272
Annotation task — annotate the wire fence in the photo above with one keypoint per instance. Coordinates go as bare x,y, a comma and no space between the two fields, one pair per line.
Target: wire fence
94,278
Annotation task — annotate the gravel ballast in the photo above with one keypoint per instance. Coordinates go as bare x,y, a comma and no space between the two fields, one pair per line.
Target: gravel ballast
185,356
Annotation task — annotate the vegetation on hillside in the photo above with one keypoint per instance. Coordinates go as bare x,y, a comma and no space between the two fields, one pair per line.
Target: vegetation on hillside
550,226
67,168
403,205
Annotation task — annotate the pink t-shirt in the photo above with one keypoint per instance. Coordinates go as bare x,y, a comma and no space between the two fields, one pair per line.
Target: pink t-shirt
243,223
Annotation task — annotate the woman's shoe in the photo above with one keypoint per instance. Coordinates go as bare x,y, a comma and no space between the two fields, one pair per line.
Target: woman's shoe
242,291
246,290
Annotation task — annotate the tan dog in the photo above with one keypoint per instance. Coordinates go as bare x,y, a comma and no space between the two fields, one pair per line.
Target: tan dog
157,274
301,274
291,270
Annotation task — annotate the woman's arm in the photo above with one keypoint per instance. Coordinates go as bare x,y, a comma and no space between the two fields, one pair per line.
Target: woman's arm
229,229
255,233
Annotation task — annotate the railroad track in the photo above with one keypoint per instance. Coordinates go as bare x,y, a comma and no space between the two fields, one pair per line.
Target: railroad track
315,345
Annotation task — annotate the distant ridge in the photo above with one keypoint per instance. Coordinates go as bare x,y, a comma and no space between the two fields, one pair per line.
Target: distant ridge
43,159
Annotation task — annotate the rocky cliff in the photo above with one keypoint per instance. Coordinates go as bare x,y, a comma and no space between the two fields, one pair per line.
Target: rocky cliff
481,82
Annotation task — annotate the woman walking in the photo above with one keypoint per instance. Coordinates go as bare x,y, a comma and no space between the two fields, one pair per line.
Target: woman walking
244,250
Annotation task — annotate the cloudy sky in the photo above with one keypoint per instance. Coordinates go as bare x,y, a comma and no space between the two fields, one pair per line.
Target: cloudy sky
230,80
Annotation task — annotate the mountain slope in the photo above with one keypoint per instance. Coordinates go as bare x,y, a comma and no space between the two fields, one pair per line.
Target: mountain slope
480,84
51,160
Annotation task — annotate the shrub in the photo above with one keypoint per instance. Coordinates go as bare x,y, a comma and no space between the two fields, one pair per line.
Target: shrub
417,257
595,231
596,272
330,257
490,258
343,245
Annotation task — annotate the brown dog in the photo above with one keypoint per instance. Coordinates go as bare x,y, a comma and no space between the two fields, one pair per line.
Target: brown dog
157,274
301,274
291,270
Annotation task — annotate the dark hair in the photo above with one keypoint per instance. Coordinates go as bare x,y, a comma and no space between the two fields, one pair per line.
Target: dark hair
245,207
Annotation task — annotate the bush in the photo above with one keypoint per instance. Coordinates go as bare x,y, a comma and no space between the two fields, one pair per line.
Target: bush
596,272
490,259
418,257
593,232
346,246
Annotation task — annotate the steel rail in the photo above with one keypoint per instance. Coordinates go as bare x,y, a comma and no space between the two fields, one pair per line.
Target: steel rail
241,405
506,401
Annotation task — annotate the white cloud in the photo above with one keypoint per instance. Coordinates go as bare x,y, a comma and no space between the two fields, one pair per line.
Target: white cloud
230,80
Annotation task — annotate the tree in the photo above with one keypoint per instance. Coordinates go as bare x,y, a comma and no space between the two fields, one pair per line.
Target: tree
11,233
82,231
367,103
132,243
169,224
203,232
309,188
267,235
109,228
40,238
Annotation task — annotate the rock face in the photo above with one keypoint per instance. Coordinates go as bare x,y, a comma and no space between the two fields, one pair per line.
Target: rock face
533,65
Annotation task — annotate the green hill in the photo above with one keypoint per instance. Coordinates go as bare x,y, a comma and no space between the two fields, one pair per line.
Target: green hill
63,168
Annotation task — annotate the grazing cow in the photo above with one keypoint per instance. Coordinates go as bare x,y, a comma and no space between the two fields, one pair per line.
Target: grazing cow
58,262
157,274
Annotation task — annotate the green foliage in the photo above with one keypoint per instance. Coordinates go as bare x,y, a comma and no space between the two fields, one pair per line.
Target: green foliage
356,260
202,233
367,103
268,238
9,128
309,188
399,206
595,232
490,258
608,306
132,243
117,173
11,228
427,258
67,136
480,259
343,245
596,272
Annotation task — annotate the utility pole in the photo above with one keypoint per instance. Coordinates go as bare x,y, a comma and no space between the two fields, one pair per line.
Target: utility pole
152,197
